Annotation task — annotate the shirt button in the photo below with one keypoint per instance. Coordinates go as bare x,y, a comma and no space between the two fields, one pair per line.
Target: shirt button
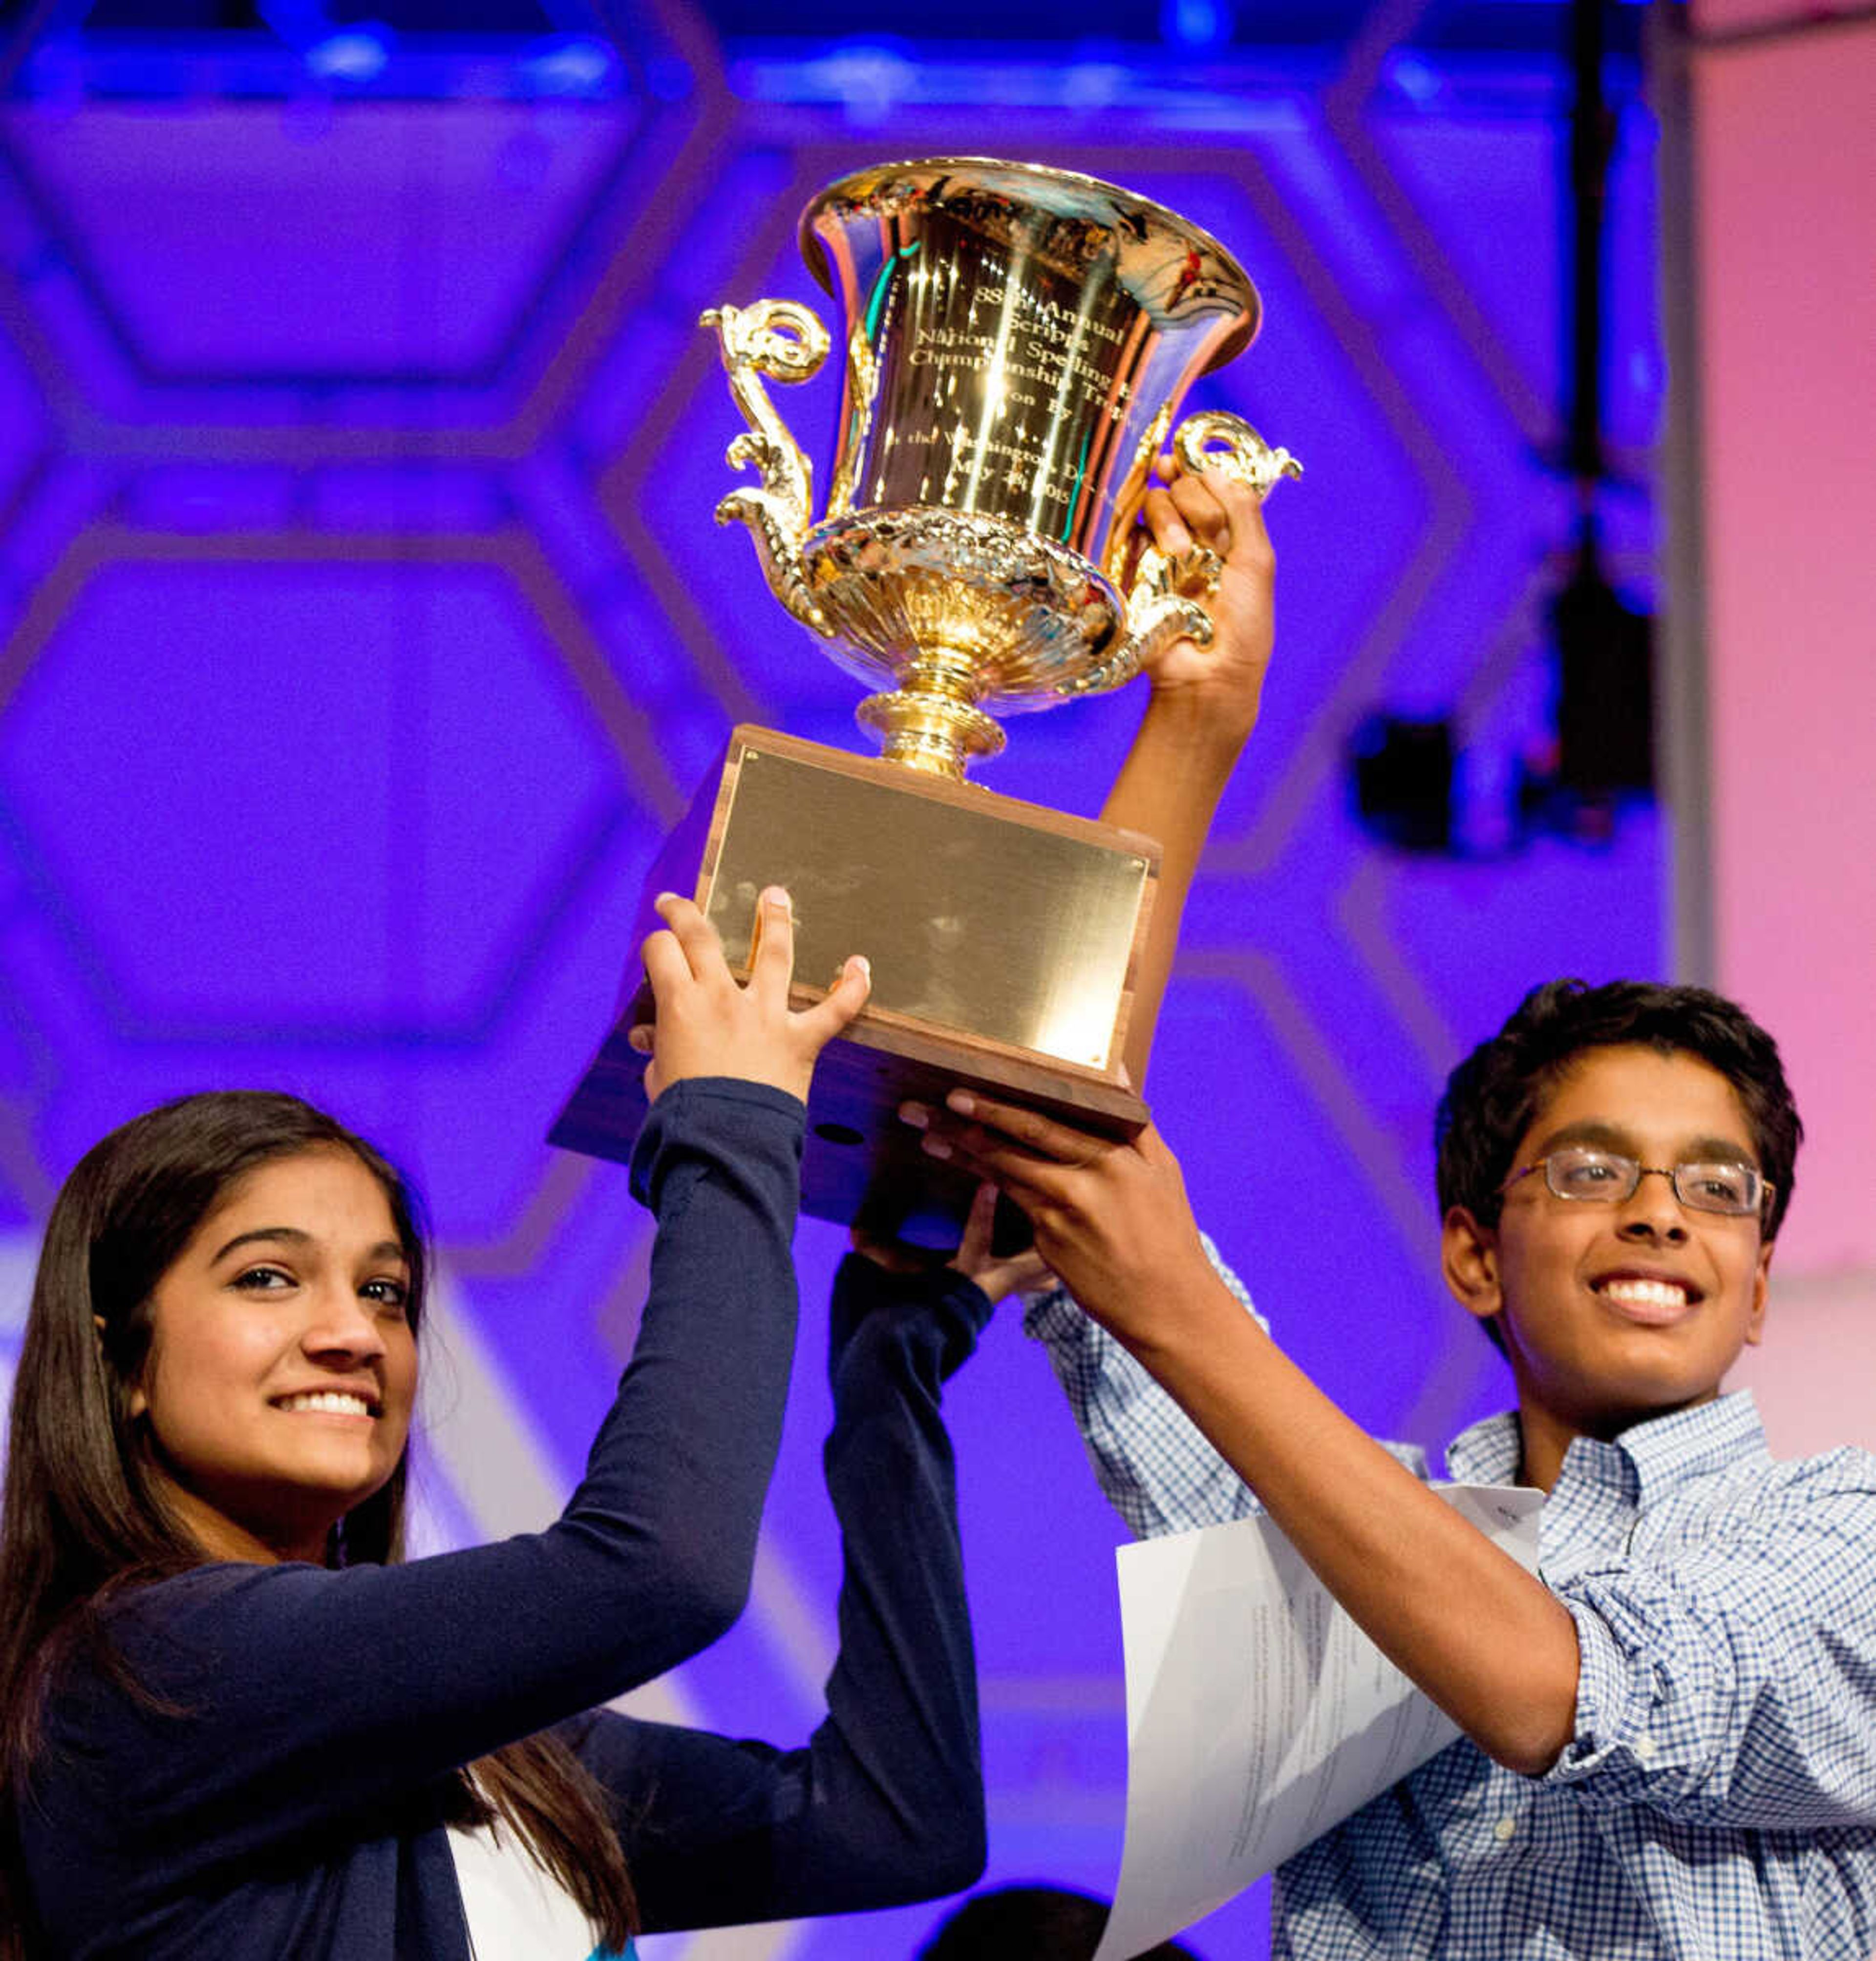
1645,1748
1505,1830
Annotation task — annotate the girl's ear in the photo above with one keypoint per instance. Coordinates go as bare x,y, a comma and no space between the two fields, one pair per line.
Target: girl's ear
137,1402
1469,1259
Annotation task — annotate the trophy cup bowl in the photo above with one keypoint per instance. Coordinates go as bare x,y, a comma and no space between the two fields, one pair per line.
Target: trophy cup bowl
1017,341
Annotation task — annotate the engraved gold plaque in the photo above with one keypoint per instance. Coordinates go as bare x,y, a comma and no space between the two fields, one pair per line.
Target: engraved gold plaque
1021,938
1015,344
1004,937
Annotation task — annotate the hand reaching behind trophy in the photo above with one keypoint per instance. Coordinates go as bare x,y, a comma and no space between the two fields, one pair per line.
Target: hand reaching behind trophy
1213,520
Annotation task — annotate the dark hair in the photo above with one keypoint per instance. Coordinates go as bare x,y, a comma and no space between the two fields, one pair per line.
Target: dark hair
82,1520
1030,1923
1491,1098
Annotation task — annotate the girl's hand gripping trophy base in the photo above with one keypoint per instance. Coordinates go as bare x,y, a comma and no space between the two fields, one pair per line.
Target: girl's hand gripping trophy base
710,1024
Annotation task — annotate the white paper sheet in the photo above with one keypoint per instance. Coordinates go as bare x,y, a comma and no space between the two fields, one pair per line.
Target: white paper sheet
1258,1715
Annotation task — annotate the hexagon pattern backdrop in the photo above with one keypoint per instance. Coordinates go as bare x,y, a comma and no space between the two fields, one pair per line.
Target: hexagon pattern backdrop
364,627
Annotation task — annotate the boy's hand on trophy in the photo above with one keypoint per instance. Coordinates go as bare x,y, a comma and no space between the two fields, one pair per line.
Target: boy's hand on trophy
1112,1220
1217,513
710,1024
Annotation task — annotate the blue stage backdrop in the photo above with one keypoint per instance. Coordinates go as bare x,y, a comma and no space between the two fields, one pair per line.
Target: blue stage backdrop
364,627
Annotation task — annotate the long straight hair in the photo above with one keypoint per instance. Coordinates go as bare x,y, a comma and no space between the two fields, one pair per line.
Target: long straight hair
83,1520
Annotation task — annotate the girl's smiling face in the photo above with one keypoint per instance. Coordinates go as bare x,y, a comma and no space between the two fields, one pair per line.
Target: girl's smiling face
278,1388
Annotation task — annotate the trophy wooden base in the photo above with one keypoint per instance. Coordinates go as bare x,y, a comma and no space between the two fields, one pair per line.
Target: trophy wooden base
1003,938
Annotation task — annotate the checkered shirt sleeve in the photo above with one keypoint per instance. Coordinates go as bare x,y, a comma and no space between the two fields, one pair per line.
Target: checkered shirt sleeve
1155,1465
1153,1462
1730,1679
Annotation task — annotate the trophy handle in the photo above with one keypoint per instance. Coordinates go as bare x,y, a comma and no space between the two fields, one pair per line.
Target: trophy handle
784,341
1242,452
1161,605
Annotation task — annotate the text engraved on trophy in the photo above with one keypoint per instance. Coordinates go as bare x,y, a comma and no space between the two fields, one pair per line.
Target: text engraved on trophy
1028,381
1031,361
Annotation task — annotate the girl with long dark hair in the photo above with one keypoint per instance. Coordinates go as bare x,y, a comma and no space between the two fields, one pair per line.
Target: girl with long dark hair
233,1723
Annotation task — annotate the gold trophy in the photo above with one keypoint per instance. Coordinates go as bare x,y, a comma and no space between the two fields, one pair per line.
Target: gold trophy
1017,341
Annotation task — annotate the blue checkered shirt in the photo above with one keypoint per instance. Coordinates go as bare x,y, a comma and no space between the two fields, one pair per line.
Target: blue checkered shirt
1718,1800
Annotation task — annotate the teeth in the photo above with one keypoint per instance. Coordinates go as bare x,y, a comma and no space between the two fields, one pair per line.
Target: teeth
1647,1293
334,1400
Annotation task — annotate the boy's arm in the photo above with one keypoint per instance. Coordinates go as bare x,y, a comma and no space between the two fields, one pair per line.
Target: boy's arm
1492,1645
1154,1466
1486,1641
1201,705
1721,1687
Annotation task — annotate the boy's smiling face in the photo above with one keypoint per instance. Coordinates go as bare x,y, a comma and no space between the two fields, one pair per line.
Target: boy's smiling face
1613,1312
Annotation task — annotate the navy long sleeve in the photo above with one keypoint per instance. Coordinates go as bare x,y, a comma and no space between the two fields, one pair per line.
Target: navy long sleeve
885,1802
287,1802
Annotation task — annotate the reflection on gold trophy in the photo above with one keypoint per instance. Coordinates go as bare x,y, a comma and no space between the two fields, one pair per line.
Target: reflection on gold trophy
1016,343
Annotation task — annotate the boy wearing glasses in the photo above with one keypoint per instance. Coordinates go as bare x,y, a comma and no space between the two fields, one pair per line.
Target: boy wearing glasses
1669,1739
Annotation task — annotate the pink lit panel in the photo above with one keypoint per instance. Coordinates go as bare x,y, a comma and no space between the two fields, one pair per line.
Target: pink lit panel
1784,152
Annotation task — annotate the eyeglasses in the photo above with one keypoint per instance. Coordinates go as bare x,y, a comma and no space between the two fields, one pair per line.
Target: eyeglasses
1607,1178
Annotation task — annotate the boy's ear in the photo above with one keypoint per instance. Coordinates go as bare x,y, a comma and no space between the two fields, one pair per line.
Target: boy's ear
1469,1259
1761,1285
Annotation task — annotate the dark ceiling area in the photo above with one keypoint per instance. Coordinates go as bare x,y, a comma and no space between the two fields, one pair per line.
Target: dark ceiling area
1486,29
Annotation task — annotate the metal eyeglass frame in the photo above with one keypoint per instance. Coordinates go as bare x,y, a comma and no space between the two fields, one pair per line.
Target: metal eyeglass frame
1635,1171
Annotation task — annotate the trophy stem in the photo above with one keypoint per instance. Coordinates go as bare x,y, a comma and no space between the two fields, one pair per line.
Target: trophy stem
931,721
